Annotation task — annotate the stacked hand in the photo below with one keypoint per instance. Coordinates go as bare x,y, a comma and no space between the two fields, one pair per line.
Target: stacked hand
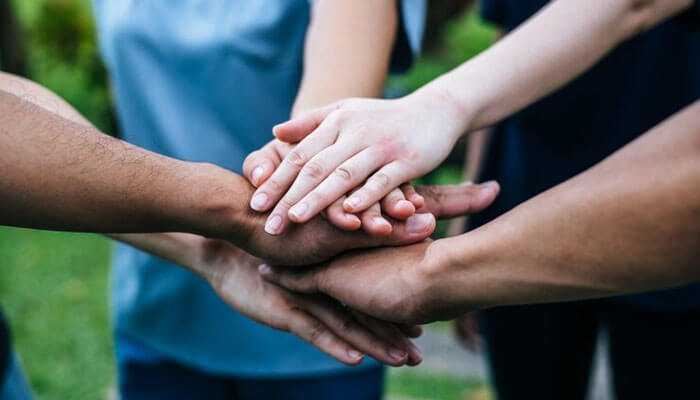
370,146
384,284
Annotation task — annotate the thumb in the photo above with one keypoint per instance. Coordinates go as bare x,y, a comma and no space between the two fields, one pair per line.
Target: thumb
448,201
296,129
294,279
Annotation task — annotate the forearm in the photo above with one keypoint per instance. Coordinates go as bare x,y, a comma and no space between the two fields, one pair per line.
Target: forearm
631,223
553,47
60,173
347,51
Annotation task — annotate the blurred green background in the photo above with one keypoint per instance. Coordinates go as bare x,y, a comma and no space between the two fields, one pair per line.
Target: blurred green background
55,285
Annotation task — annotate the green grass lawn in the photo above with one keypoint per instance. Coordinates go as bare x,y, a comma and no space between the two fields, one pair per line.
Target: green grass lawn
54,291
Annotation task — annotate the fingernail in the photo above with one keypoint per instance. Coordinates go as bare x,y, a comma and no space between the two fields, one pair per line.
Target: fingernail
258,202
273,224
417,223
354,354
353,202
490,184
257,173
264,269
397,354
299,210
379,221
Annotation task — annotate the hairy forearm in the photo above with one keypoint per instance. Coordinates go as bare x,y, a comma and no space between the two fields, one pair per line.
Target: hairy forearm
60,173
553,47
347,51
631,223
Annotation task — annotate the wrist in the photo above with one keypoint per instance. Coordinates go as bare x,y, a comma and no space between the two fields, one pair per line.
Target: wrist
459,273
440,100
219,204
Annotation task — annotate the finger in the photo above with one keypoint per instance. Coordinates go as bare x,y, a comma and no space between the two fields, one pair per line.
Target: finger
318,334
396,206
391,334
296,280
338,217
358,335
311,175
272,190
344,178
412,331
373,222
300,127
454,200
259,164
411,195
377,186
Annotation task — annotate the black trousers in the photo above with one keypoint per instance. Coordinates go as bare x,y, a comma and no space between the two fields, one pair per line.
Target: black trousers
546,351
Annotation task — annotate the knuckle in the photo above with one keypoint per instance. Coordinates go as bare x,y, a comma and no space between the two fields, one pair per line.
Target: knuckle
380,180
344,173
316,331
296,157
347,324
274,185
286,203
314,170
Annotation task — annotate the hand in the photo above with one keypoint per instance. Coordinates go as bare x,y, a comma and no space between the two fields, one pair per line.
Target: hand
321,321
391,284
343,144
399,204
317,240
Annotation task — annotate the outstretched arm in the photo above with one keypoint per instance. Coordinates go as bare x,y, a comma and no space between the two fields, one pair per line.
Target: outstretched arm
60,173
629,224
347,54
389,142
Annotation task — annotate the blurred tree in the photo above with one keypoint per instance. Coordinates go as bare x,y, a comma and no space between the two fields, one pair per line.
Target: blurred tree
12,52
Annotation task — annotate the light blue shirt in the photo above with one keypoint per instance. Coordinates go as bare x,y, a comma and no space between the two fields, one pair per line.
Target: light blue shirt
205,80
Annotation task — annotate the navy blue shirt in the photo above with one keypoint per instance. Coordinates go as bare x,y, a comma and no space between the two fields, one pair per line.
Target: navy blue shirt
641,83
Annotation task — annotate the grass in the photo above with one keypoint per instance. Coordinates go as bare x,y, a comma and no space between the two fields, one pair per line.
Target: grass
54,291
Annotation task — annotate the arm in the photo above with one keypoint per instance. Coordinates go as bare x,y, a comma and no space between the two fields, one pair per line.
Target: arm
347,53
60,173
398,140
629,224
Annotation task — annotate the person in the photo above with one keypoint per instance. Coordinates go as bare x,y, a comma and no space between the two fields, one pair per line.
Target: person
553,140
206,81
621,249
60,173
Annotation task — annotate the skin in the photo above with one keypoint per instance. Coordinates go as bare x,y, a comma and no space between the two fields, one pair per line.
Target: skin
339,63
629,224
88,181
380,144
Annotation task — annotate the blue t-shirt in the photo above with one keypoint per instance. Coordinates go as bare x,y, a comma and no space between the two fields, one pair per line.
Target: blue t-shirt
641,83
205,80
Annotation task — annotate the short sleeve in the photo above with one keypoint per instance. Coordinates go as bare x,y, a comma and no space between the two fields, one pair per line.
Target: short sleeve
410,34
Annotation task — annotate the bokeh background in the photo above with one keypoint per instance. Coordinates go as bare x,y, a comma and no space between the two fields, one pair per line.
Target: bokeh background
54,286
